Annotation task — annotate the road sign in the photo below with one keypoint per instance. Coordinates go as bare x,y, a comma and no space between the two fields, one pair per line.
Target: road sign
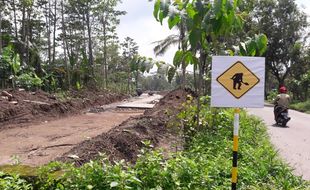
237,81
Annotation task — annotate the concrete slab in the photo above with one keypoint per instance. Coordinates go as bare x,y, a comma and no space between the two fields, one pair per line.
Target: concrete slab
137,106
144,101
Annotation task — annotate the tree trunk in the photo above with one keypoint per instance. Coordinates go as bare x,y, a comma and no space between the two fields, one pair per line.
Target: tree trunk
182,36
183,84
137,78
15,23
105,71
70,49
266,79
200,75
0,33
48,26
195,79
91,62
54,32
307,92
84,33
23,37
29,28
64,44
128,82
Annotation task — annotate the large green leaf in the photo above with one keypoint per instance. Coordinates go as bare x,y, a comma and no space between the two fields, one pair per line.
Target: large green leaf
251,47
173,20
178,57
16,64
156,9
230,52
189,58
199,6
164,10
190,11
242,49
194,37
261,43
195,61
171,73
161,17
7,53
218,4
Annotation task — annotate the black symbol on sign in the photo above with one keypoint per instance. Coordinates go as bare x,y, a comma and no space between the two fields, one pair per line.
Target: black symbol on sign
238,81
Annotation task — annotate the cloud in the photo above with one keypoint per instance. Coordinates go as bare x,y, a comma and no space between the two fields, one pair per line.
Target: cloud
140,25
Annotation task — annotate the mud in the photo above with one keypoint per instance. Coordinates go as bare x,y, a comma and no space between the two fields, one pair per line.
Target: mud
125,140
26,108
39,144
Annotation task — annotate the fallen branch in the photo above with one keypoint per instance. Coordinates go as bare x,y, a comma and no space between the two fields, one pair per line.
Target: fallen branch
36,102
5,93
51,146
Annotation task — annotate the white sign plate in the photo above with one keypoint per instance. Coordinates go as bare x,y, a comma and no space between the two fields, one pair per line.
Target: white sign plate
237,81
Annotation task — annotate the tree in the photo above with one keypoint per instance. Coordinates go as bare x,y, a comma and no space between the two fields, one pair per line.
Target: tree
57,38
180,40
130,50
208,23
284,24
299,78
139,65
108,18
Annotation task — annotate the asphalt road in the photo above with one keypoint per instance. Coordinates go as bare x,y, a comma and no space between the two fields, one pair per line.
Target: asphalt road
292,142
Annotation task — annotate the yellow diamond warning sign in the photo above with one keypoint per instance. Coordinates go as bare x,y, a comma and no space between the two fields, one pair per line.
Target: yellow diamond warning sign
238,79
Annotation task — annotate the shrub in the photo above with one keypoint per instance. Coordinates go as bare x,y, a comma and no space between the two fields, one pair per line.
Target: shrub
205,164
13,182
29,81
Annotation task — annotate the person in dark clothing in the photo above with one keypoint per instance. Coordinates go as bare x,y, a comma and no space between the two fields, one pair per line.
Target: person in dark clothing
238,80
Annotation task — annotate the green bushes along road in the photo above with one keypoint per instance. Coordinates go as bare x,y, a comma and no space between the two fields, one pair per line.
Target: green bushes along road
204,164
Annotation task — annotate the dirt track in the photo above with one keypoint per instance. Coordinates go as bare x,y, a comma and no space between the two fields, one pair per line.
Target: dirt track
38,144
293,141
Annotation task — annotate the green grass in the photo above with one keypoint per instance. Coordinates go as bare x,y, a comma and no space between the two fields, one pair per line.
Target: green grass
301,106
206,164
21,170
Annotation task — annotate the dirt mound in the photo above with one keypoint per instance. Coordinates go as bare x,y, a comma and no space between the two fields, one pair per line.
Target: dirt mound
125,140
171,103
21,107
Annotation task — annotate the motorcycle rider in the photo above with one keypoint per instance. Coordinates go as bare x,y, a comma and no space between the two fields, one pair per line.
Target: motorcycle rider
282,101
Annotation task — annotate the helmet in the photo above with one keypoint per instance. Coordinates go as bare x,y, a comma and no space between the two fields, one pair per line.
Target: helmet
282,89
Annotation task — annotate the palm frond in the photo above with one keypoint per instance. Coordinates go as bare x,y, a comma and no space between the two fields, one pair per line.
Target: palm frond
163,45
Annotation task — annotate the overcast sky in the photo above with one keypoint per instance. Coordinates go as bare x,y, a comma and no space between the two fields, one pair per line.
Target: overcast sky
140,25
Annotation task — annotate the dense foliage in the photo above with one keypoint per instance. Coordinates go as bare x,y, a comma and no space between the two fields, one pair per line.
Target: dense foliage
301,106
205,164
64,44
208,28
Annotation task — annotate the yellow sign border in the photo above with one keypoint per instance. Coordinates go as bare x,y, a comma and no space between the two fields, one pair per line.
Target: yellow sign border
217,79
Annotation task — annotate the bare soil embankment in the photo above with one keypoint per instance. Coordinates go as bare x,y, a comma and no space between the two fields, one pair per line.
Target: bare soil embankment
22,108
125,140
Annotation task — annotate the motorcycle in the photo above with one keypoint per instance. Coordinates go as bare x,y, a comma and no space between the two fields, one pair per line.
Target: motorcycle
281,115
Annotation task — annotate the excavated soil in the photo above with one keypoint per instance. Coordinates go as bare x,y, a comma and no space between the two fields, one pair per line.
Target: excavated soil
25,108
125,140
